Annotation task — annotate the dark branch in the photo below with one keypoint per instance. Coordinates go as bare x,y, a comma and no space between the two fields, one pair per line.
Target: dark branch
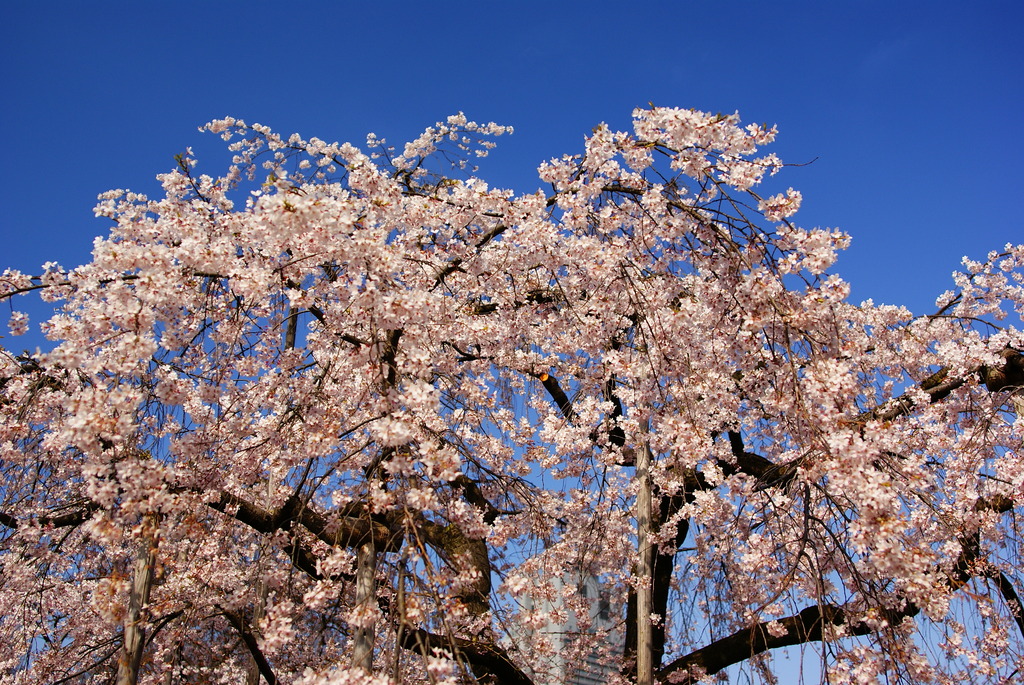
456,264
559,397
349,531
489,662
1010,596
250,643
938,386
809,625
73,518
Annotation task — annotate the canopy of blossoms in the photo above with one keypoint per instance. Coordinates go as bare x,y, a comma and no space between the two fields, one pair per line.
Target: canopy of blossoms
346,416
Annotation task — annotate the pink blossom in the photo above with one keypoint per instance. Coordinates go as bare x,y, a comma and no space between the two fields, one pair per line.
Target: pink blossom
350,416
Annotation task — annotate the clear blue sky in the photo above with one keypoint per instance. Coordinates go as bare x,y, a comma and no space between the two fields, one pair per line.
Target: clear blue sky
912,110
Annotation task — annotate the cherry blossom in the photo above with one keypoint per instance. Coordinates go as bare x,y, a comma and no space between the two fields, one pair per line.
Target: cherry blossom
347,415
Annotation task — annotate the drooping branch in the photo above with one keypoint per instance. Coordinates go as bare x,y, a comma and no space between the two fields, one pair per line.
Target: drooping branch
1011,597
347,530
456,263
807,626
489,662
937,387
475,496
616,436
250,642
1010,375
351,529
814,623
37,285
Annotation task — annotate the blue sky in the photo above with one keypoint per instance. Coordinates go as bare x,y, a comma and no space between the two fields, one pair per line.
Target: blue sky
911,111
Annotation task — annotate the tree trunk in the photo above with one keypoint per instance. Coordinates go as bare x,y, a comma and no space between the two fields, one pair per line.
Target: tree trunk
366,569
644,656
142,582
253,676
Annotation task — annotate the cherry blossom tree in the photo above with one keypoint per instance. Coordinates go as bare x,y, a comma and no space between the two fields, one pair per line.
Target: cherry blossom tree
345,416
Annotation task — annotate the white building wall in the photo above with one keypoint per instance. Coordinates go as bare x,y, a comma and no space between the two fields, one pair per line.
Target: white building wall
565,666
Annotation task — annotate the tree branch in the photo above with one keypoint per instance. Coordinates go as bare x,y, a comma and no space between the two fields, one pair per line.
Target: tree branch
938,386
489,662
1011,598
74,518
251,644
460,551
809,625
558,396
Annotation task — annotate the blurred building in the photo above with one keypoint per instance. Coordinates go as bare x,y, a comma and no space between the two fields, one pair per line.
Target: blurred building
568,665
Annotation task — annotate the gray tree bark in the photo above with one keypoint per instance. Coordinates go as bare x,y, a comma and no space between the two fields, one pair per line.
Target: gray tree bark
366,569
143,573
